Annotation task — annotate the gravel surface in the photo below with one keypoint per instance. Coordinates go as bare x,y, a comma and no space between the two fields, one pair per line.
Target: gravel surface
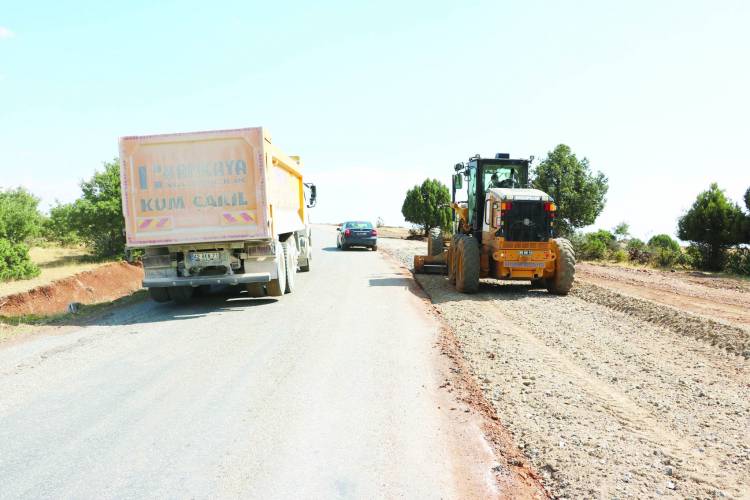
605,400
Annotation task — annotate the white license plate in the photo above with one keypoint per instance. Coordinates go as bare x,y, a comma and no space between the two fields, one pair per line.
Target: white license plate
517,263
206,256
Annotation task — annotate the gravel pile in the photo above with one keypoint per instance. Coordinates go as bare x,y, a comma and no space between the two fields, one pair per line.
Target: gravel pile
605,397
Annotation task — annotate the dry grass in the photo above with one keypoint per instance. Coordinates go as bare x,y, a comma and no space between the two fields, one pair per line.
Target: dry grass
393,232
56,263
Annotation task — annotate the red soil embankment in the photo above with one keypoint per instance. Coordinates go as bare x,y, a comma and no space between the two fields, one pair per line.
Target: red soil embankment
105,283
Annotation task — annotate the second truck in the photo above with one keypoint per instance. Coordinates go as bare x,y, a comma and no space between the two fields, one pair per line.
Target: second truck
223,207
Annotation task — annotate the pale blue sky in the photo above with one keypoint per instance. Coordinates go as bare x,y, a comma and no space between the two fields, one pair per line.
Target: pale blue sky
376,96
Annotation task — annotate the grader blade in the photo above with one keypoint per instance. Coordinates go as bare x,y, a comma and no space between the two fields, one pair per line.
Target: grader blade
436,262
431,264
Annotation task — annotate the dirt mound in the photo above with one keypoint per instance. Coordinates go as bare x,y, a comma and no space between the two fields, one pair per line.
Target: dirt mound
108,282
728,337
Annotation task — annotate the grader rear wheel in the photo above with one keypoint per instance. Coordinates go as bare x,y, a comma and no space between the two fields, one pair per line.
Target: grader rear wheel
565,268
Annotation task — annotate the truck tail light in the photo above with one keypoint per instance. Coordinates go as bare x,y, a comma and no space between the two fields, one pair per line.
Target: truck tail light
374,232
348,232
506,206
549,206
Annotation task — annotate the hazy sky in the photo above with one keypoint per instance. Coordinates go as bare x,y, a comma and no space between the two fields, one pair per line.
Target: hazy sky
376,96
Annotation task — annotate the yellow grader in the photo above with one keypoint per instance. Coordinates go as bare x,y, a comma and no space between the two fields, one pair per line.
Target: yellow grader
504,230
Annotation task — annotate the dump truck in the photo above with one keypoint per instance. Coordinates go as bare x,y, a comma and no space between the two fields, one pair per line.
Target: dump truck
503,230
224,207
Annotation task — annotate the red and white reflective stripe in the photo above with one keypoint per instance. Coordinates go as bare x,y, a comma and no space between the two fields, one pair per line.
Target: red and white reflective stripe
160,222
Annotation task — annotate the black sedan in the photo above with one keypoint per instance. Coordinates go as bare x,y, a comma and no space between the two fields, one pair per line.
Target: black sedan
357,234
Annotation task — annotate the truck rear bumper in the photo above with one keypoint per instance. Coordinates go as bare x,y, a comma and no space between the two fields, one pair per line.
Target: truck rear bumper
231,279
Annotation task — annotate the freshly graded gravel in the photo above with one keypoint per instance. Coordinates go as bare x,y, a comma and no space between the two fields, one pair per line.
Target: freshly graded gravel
607,395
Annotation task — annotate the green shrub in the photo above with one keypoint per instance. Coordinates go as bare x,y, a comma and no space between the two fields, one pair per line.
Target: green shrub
665,257
14,261
19,217
664,241
637,251
59,228
594,249
620,255
738,261
714,224
599,245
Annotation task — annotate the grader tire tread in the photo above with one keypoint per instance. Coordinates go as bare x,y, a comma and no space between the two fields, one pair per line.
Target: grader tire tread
452,251
467,280
565,269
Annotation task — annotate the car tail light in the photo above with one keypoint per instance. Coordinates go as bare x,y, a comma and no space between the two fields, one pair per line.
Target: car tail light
348,232
374,232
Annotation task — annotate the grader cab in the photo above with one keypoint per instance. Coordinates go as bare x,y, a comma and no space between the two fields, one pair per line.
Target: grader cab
504,230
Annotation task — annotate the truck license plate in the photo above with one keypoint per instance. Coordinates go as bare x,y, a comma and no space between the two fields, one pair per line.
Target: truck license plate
525,252
206,256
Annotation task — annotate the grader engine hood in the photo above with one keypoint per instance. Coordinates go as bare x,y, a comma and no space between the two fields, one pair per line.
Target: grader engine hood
523,215
520,194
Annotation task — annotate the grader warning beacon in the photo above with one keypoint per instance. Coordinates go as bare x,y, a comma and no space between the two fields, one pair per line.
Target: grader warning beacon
504,230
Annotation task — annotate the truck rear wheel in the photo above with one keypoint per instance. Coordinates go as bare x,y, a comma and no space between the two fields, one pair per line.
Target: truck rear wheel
181,294
290,259
467,268
277,286
159,294
565,268
306,254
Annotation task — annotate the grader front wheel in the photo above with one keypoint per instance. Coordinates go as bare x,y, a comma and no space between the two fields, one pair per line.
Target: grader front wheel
467,265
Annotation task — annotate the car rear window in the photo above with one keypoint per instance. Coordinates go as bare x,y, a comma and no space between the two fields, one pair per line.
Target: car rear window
359,225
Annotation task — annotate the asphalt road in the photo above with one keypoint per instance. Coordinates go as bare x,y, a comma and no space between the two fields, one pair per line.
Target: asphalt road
330,392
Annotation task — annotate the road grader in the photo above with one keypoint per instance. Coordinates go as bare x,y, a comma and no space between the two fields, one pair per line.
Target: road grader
504,230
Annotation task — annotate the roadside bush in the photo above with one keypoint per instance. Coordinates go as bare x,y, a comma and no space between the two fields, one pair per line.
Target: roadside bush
664,241
738,261
637,251
14,261
19,216
58,227
599,245
620,255
664,257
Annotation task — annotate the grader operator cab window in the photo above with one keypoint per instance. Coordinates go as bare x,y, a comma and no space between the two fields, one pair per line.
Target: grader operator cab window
496,176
